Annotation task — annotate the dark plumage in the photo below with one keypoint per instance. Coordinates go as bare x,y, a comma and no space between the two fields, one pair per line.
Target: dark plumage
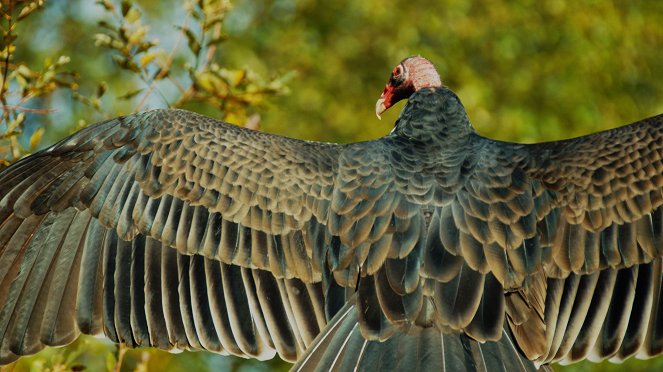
431,247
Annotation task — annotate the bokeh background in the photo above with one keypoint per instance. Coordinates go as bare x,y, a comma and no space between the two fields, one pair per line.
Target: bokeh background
526,71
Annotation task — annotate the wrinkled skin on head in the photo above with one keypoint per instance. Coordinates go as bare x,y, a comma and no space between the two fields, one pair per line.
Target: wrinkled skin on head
412,74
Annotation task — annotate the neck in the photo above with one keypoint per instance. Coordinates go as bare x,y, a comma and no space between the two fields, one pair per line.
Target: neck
434,116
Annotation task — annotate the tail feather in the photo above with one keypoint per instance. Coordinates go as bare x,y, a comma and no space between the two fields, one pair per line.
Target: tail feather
340,346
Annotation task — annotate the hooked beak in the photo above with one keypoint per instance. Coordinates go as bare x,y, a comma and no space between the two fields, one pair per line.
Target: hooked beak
379,108
385,101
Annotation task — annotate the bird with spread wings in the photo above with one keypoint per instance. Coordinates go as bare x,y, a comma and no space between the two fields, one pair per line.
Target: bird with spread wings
431,248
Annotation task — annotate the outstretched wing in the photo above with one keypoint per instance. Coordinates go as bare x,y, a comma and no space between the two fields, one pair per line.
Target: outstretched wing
87,227
609,188
576,206
583,207
181,179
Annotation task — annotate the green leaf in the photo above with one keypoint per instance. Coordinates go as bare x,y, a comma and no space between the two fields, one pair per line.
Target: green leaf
131,94
126,63
111,362
126,6
25,71
16,123
29,9
209,24
106,25
62,60
217,40
107,5
194,45
35,138
102,40
133,15
101,89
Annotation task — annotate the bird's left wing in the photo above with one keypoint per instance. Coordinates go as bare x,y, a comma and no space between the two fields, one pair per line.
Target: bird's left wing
556,223
608,188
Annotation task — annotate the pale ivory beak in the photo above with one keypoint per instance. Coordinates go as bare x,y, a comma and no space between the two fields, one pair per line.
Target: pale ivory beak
379,108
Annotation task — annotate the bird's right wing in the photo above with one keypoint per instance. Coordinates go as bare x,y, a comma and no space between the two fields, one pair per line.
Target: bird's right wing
102,230
198,185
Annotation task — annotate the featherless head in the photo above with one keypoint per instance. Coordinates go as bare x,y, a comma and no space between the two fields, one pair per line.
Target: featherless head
412,74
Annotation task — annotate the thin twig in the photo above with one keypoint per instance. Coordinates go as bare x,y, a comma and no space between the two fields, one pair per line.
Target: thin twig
121,350
11,65
42,111
5,72
177,84
164,69
211,50
185,96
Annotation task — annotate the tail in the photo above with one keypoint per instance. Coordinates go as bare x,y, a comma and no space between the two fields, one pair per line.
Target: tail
341,347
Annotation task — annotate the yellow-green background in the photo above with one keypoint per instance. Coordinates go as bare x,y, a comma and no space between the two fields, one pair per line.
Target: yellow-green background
526,71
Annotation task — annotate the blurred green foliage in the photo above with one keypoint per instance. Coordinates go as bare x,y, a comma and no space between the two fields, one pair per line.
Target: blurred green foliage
526,71
143,73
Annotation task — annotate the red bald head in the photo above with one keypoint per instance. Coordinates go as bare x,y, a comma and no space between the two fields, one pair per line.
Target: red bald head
412,74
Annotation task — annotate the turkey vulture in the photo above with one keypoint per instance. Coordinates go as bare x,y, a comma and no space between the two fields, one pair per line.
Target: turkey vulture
432,247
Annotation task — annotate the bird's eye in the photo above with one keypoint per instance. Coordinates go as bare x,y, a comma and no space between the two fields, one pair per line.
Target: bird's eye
397,71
